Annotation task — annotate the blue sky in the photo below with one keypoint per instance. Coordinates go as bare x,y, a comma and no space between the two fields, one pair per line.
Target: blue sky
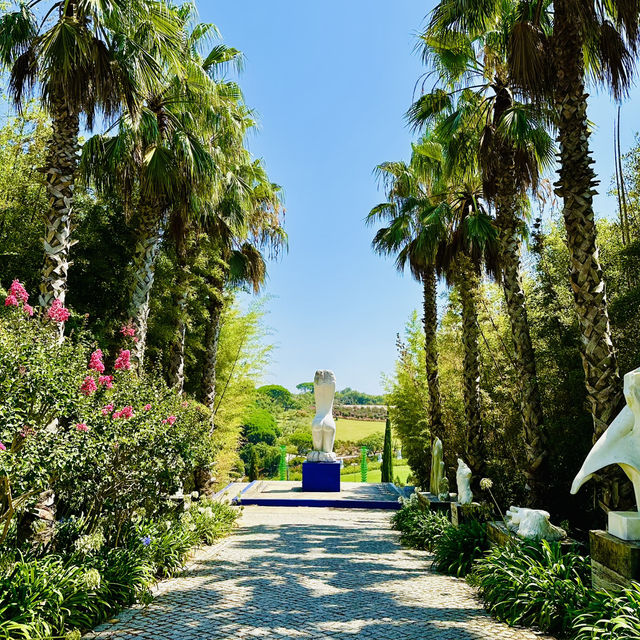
330,82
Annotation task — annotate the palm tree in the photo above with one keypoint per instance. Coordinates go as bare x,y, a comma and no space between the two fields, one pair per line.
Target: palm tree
513,146
413,233
83,60
552,45
166,160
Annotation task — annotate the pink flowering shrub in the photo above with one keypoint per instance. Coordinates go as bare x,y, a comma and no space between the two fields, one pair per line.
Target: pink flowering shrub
18,295
95,362
2,447
89,386
147,407
106,381
106,410
128,330
82,426
170,420
123,361
57,312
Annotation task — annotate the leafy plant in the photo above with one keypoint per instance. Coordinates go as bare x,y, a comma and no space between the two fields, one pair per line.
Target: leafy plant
532,585
458,548
418,529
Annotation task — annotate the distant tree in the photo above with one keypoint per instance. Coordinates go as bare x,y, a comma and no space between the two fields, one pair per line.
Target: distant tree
279,395
261,426
301,440
305,387
387,455
373,442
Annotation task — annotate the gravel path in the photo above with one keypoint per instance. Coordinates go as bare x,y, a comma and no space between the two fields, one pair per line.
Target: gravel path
312,573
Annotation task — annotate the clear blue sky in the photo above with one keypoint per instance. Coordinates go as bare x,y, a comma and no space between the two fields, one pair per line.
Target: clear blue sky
330,82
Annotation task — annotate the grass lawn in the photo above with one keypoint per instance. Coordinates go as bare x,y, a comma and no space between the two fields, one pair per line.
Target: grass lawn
354,430
374,475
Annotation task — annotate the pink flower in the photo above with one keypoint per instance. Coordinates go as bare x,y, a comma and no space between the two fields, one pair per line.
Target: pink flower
2,447
26,431
57,312
19,291
125,412
11,301
147,407
95,362
107,409
28,309
169,420
81,426
123,361
88,386
107,381
128,330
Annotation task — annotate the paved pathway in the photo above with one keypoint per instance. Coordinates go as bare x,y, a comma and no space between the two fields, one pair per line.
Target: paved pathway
310,573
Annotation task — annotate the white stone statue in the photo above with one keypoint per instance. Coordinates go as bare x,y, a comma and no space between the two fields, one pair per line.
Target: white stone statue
463,480
620,443
533,524
323,427
437,467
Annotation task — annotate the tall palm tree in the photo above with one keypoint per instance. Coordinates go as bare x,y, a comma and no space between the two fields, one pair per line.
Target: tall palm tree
513,146
82,59
164,162
413,232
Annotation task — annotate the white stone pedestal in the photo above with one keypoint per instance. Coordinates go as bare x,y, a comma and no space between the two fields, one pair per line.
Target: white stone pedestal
624,525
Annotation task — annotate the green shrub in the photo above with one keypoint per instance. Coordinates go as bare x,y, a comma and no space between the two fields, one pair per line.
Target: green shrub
210,520
457,548
279,395
261,426
535,586
418,529
610,616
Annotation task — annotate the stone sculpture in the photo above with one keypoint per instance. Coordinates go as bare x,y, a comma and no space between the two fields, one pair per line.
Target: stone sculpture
463,480
323,427
443,492
437,467
620,443
533,524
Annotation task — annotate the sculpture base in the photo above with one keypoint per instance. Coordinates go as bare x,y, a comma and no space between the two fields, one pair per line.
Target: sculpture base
624,525
321,476
615,563
321,456
461,513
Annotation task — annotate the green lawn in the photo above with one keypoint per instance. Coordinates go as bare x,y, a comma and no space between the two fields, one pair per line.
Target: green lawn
354,430
374,475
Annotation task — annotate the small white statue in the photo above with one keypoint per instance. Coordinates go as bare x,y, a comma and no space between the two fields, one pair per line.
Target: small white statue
323,427
437,467
533,524
620,443
463,480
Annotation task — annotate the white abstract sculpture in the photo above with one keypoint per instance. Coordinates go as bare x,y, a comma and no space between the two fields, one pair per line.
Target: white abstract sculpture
463,480
323,427
620,443
533,524
437,467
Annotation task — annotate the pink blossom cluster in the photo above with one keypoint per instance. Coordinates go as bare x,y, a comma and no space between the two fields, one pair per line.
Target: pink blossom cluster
169,420
18,294
125,412
89,386
57,312
82,426
2,447
147,407
106,381
123,361
95,362
106,410
128,330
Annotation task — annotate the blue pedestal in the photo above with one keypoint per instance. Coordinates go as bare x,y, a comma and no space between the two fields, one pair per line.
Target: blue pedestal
321,476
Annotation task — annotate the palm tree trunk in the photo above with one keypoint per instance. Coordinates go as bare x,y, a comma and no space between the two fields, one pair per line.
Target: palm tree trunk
575,185
216,306
150,232
176,358
60,168
535,440
467,280
430,321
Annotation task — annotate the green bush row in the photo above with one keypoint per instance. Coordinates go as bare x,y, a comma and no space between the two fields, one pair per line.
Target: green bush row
85,580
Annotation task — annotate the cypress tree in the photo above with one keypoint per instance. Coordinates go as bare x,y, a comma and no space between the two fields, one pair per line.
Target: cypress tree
387,455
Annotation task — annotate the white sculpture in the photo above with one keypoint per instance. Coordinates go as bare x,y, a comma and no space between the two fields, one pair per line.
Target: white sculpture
620,443
323,427
437,467
463,480
533,524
